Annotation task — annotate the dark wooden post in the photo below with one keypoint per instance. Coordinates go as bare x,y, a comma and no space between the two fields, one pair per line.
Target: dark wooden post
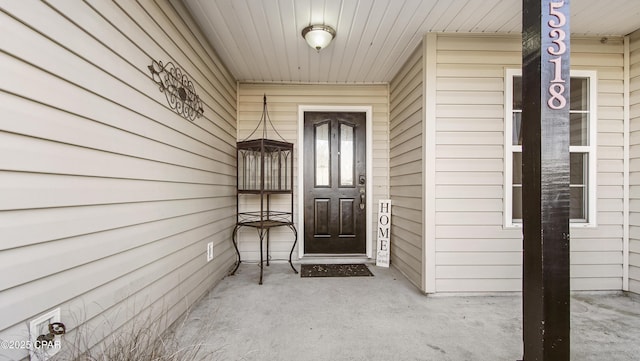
545,186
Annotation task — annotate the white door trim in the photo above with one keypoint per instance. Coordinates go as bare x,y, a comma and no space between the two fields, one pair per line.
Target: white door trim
368,110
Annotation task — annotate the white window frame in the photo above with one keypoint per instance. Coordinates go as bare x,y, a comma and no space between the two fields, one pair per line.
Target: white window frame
590,149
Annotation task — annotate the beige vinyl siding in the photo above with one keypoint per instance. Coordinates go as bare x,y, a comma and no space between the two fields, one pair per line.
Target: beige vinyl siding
406,169
283,101
108,196
634,194
474,251
596,257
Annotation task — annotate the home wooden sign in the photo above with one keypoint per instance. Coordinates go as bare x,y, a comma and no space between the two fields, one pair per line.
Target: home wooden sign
384,232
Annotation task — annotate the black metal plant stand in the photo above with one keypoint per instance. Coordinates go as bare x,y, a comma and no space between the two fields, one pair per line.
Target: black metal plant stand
264,170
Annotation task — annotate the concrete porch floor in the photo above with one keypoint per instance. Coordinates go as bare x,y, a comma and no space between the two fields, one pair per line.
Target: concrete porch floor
386,318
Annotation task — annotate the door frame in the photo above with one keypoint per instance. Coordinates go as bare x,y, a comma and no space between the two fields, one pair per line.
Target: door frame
368,110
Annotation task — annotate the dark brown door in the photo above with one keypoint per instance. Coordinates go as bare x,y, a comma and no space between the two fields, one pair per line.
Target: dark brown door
334,183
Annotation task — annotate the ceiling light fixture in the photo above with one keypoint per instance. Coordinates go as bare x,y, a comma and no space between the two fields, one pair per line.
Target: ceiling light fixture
318,36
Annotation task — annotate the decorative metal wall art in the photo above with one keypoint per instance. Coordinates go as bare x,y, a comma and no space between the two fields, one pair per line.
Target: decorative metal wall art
178,89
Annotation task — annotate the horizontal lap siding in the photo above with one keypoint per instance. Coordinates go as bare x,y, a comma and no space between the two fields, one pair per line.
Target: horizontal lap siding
596,257
474,252
108,196
405,168
634,222
282,103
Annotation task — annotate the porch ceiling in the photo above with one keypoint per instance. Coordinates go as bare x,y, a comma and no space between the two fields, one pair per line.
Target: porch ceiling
260,41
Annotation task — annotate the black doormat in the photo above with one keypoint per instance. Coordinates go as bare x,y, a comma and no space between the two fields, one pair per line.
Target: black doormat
335,270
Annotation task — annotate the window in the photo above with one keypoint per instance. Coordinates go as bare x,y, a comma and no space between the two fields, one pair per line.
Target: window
582,148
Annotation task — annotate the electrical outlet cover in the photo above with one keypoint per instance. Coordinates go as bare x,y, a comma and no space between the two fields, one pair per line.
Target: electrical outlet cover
209,251
40,326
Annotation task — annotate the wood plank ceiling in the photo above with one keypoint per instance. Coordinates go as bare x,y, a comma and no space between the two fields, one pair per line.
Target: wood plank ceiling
260,41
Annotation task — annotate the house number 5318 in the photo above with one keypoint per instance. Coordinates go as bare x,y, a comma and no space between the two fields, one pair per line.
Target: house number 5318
557,100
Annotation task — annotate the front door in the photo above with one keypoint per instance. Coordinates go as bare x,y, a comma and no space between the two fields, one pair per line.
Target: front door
335,183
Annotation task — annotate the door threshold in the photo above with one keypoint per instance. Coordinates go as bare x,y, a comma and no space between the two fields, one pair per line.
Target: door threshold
335,259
